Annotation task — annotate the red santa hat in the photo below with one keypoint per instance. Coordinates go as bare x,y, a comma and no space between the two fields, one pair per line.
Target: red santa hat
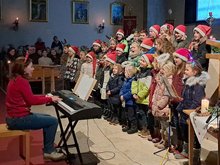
183,54
204,30
181,29
94,60
149,58
97,42
147,43
111,57
167,26
121,32
74,49
155,29
120,47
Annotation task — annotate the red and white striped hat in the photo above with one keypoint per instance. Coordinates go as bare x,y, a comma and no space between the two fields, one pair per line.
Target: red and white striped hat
181,29
155,29
73,49
204,30
111,57
120,47
149,58
121,32
147,43
97,42
183,54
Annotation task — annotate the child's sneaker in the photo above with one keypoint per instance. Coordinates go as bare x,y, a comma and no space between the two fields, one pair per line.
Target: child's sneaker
54,156
143,134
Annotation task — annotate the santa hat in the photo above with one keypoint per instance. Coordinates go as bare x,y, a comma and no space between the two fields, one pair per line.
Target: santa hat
147,43
97,42
167,26
93,57
204,30
74,49
163,58
155,29
111,57
121,32
181,29
120,47
183,54
148,58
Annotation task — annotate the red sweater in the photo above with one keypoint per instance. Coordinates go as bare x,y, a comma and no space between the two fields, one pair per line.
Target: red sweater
19,98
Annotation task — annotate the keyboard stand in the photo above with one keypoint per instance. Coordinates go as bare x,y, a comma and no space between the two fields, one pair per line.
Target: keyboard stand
63,141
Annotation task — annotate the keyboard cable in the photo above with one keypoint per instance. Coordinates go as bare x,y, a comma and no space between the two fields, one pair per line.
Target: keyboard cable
98,153
114,145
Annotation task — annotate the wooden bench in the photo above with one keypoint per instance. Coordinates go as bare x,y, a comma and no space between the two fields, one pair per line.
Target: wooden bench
24,141
41,72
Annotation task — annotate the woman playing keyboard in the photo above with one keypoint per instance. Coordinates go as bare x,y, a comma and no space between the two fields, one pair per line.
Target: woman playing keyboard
19,99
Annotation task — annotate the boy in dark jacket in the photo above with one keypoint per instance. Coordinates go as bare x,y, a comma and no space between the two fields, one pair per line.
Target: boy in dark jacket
113,88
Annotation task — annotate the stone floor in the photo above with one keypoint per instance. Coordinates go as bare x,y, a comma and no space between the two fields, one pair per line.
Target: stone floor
105,144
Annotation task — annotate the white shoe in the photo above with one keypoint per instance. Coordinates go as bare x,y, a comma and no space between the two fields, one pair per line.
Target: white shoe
54,156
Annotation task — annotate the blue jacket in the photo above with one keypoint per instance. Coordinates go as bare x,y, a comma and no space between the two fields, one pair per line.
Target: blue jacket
193,93
126,92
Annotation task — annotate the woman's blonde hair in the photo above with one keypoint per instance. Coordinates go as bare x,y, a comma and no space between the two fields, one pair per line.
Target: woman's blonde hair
166,45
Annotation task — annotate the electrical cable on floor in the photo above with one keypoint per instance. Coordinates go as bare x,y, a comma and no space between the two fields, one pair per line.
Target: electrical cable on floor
97,153
114,144
165,157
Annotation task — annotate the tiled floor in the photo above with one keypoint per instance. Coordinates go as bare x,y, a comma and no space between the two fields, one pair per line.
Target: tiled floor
105,144
111,146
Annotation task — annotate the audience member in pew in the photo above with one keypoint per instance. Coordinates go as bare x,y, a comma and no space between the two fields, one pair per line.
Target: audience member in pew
64,56
194,91
39,44
57,45
11,54
20,98
55,57
44,60
32,54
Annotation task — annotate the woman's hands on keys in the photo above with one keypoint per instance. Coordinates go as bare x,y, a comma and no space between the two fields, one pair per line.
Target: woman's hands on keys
56,99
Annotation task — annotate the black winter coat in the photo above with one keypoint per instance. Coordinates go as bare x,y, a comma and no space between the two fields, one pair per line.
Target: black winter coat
114,85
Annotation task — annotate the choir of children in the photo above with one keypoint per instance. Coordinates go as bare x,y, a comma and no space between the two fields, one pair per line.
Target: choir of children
130,80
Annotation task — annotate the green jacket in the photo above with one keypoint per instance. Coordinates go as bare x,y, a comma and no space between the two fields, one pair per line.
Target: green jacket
135,61
126,43
141,90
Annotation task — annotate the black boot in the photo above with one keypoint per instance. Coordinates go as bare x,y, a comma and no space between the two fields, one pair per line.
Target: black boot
126,127
133,128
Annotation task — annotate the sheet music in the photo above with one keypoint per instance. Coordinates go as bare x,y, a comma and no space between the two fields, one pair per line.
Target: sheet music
84,86
171,91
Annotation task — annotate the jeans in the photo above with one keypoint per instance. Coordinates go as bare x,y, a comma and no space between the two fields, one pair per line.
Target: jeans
36,121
